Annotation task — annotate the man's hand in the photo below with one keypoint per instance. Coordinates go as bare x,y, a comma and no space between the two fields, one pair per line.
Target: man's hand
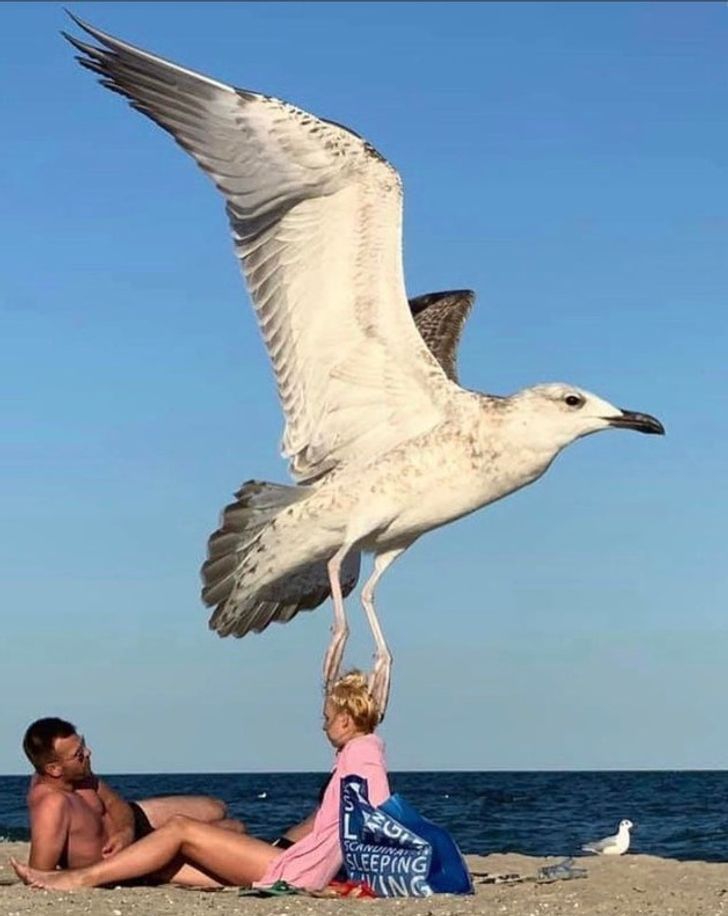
118,840
118,819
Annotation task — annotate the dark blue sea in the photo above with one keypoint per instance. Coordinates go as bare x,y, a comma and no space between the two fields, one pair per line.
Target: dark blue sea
682,815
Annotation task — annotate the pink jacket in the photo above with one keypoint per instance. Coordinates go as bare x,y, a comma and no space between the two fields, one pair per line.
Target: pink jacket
313,861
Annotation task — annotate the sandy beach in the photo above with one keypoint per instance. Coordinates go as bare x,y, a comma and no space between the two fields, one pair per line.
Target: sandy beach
631,884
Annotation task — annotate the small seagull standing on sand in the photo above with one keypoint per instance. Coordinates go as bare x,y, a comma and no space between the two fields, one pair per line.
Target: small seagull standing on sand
383,444
615,845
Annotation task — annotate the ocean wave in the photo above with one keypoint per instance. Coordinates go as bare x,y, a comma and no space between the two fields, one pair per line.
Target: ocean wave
13,834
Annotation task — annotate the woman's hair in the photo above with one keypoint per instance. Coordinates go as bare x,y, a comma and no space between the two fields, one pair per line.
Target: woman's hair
351,694
39,739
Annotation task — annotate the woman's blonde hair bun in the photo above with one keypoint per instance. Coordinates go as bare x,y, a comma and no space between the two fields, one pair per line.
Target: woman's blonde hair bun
350,693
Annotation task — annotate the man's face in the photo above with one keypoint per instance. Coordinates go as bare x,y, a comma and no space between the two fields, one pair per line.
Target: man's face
72,758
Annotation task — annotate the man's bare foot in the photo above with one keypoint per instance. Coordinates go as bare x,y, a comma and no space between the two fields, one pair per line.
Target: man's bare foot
20,870
55,880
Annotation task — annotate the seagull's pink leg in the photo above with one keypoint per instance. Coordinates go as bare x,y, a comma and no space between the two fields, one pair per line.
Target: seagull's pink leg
380,677
340,628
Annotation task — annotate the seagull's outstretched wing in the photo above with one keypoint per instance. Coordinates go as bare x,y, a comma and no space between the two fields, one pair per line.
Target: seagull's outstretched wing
316,215
440,319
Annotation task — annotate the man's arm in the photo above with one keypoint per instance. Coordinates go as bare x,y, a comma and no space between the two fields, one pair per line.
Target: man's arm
49,822
118,818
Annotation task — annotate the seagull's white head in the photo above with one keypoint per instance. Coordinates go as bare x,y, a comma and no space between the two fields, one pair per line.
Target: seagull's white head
558,414
625,825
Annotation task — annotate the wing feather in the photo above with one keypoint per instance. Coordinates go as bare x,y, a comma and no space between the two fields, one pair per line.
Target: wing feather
316,216
440,319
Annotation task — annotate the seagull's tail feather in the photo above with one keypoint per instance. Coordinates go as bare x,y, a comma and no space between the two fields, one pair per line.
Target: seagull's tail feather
245,598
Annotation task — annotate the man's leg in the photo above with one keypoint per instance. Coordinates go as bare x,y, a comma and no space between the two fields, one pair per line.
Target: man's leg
199,807
182,874
230,857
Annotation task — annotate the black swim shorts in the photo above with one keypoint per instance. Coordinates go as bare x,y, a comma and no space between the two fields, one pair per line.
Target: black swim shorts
142,826
282,842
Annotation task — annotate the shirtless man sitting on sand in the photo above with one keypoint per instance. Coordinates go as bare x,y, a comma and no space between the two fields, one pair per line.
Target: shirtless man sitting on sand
76,819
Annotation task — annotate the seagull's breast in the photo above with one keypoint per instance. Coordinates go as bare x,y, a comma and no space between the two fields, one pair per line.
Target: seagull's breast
448,472
435,479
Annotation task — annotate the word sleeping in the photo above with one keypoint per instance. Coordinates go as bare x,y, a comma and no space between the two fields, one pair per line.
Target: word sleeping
389,872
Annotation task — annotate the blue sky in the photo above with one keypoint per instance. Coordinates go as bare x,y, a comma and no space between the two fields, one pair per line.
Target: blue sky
566,161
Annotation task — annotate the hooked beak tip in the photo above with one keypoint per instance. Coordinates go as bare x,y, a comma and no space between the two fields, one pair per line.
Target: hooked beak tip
640,422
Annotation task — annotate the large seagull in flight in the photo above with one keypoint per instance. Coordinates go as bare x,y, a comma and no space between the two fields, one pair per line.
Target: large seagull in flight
383,443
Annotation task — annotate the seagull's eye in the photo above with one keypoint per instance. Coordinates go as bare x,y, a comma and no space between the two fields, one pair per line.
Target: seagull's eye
573,400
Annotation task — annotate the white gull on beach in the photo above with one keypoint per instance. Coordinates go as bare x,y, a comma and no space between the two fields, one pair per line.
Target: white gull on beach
383,444
615,845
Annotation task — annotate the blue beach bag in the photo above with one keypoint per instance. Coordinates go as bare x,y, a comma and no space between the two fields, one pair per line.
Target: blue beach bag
395,850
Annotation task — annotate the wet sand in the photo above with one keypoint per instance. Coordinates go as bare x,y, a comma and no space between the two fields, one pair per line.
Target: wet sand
621,886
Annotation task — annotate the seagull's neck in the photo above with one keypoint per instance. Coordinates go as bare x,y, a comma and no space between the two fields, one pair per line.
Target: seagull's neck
508,448
524,434
530,432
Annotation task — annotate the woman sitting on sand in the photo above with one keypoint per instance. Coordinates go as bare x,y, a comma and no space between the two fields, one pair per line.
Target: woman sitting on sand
350,718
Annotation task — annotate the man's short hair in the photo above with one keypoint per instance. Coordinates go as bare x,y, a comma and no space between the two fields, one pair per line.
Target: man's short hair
39,738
